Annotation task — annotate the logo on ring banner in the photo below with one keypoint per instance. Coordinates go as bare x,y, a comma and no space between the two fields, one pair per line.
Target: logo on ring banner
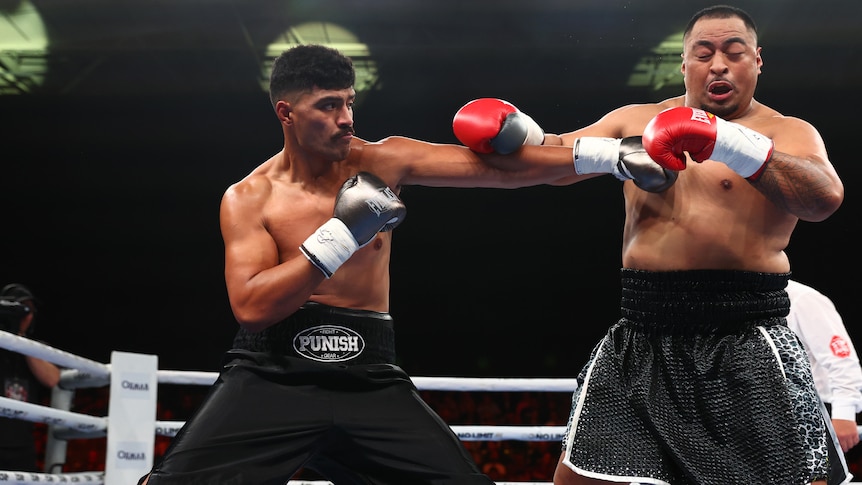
328,343
134,385
130,454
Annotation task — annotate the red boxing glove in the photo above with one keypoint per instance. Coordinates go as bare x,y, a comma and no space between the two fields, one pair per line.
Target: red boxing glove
704,136
488,125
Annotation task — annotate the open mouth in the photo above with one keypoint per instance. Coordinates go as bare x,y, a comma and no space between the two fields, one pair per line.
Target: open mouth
720,88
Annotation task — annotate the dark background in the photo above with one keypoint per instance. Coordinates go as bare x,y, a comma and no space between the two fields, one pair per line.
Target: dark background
112,172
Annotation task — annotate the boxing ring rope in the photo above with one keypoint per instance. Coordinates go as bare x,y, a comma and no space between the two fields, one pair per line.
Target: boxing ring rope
80,373
423,383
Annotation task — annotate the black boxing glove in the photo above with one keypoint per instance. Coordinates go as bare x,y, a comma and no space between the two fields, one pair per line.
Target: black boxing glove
364,206
625,158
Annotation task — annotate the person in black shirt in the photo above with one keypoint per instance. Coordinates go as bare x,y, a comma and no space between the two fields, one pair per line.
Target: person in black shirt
24,378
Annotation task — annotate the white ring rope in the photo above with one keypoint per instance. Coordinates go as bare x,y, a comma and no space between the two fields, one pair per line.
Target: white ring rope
493,384
98,478
61,358
22,478
79,372
84,426
12,408
465,432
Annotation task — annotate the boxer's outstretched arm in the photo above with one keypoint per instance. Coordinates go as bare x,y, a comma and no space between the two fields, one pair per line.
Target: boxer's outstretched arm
405,161
489,125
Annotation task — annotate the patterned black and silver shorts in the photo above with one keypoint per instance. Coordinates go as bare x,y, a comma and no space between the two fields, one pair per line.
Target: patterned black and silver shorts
701,382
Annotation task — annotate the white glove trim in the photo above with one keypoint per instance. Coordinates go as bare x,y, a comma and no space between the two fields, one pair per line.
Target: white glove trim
742,149
535,133
598,155
329,246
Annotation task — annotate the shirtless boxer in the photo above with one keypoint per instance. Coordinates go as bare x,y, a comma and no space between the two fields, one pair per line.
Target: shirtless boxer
311,380
700,381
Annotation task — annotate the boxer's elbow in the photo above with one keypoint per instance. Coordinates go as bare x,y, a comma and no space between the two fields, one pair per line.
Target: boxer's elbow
250,318
823,206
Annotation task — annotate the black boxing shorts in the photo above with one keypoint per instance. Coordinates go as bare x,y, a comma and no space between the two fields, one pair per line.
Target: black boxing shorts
318,391
701,382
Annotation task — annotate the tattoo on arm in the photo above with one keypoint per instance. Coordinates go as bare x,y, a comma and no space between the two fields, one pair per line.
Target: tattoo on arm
794,185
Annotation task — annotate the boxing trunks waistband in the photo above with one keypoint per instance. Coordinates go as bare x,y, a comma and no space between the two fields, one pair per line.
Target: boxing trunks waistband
703,300
326,334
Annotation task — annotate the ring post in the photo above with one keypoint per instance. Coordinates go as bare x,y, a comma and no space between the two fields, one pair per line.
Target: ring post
131,417
55,447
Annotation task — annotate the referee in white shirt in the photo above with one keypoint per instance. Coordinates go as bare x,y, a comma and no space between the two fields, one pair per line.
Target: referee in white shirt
834,362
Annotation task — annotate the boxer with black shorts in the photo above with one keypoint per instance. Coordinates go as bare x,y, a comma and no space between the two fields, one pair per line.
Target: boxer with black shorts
311,381
701,381
360,414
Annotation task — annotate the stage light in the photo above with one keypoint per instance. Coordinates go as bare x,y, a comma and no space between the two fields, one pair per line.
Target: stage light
659,70
334,36
23,47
